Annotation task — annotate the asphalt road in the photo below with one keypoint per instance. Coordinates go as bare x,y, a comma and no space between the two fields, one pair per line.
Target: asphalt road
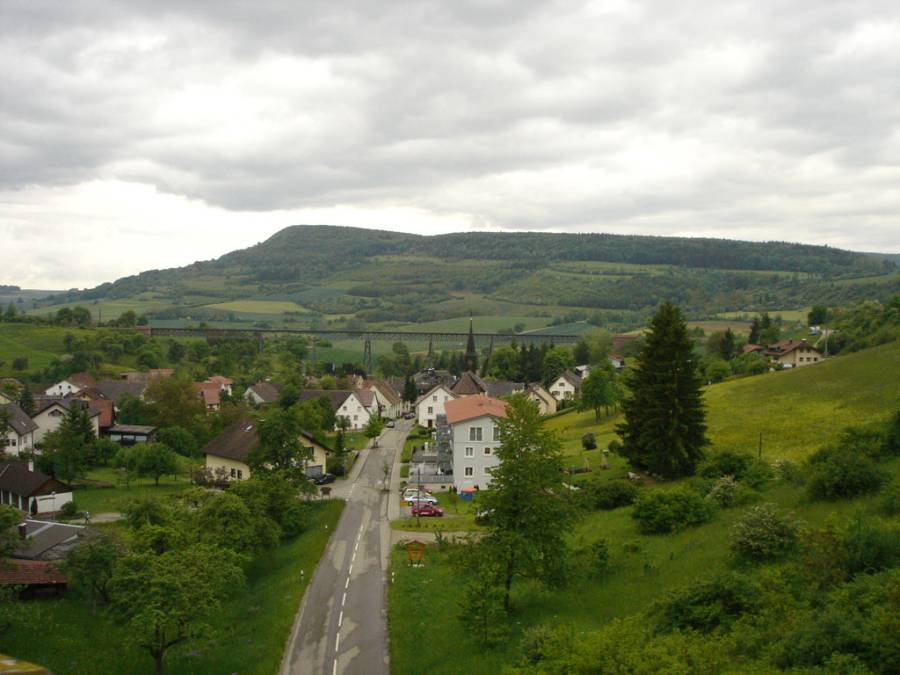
342,622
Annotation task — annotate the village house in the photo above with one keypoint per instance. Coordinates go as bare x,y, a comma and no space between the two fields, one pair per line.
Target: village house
356,407
18,434
51,412
225,383
475,436
31,491
793,353
262,393
565,387
470,384
210,393
228,454
431,404
545,402
389,399
71,385
48,540
428,379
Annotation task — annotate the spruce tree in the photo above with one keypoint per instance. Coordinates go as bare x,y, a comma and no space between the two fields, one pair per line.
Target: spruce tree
26,401
665,430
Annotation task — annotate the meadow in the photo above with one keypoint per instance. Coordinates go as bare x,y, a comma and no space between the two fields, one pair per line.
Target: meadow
799,411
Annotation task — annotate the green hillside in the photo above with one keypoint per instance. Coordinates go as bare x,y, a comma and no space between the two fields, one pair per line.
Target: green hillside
323,275
800,411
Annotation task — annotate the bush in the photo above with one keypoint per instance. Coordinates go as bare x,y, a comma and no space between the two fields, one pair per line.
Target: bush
843,475
600,558
606,495
659,511
615,446
789,472
588,442
889,504
763,534
69,510
890,444
335,465
741,466
709,604
870,549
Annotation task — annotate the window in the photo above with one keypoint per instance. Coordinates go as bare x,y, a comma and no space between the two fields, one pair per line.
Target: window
475,433
496,433
469,471
430,410
487,452
240,474
355,417
434,398
470,452
233,473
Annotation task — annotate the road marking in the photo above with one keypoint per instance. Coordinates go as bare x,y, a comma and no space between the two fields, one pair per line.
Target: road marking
344,599
341,618
334,670
337,642
347,584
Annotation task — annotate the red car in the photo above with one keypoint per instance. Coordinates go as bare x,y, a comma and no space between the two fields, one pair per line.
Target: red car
427,510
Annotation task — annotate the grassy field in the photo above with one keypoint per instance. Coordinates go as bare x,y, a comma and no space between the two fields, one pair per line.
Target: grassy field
39,344
459,516
482,324
271,307
251,628
111,500
793,409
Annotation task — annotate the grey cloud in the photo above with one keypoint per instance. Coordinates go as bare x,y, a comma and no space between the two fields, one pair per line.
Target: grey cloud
435,104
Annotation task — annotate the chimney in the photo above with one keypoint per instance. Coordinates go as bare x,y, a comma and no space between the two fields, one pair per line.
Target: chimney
31,465
23,531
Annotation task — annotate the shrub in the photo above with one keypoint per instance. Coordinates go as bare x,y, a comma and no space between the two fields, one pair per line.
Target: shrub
603,494
741,466
870,549
723,491
615,446
890,444
763,534
844,475
69,510
889,504
600,558
659,511
335,465
589,442
789,472
709,604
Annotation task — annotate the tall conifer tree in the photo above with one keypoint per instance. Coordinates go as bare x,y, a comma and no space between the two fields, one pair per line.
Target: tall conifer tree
665,430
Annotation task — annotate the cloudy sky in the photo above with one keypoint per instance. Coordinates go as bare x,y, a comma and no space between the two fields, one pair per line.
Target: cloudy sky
138,134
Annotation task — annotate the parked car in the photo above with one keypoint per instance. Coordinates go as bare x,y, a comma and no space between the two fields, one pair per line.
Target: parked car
421,499
427,511
410,493
390,424
409,415
324,479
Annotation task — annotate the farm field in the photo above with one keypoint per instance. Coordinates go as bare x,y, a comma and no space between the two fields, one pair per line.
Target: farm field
255,621
270,307
481,323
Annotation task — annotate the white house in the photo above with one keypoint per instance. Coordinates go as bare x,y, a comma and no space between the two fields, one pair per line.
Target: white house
389,401
565,387
51,415
262,393
545,402
31,491
18,433
431,404
355,410
63,388
474,437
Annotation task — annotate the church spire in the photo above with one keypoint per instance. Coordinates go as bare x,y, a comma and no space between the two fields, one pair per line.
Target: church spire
471,351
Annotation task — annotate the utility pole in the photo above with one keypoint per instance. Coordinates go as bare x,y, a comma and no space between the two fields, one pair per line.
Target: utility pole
418,495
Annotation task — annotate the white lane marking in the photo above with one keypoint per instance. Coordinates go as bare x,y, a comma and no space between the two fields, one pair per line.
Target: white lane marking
344,599
347,583
334,669
341,618
337,642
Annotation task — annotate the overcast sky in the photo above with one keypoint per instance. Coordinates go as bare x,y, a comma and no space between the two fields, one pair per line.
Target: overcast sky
152,133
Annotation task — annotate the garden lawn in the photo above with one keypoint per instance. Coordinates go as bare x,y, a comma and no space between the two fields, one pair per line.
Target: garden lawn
643,569
459,516
110,500
252,627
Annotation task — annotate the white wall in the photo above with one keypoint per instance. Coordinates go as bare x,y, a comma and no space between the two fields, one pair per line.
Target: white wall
470,453
12,444
62,389
562,390
432,405
354,411
49,420
50,503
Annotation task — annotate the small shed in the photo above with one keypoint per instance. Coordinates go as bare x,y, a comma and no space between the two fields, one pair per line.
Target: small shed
131,434
467,494
35,576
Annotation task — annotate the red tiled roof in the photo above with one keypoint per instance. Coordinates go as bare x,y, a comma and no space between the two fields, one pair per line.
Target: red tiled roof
209,391
220,379
470,407
104,408
83,380
750,347
783,347
30,573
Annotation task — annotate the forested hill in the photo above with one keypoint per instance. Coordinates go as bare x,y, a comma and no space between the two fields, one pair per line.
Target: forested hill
300,253
306,275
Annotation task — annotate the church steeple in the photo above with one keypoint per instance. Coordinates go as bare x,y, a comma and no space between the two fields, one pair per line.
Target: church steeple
471,351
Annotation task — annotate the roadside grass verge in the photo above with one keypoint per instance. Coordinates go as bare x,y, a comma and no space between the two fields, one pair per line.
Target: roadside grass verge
252,627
